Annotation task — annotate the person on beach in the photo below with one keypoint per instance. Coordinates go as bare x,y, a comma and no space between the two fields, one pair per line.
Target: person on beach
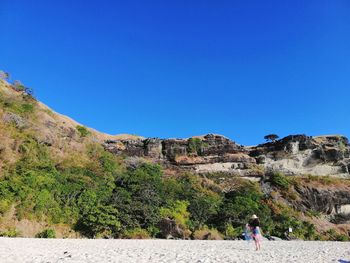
256,232
247,233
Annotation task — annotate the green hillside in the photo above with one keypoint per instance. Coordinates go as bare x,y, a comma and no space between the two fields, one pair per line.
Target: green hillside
56,179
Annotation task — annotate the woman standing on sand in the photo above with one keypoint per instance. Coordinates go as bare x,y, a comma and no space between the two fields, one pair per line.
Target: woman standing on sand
256,233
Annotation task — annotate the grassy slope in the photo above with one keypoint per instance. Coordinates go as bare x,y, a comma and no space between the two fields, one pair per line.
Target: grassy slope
44,124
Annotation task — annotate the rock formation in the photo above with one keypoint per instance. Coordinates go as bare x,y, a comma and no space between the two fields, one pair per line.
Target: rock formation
292,155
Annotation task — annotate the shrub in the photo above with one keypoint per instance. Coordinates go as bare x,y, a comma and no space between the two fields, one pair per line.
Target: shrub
313,213
284,217
136,233
177,211
342,237
153,231
333,235
323,180
290,194
257,169
195,145
23,107
279,180
11,232
133,162
46,233
27,108
4,75
207,234
4,205
231,232
83,131
18,86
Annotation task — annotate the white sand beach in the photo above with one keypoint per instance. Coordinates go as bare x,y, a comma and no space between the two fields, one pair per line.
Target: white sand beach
83,250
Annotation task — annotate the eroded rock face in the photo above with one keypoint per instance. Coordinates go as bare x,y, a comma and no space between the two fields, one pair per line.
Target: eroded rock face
301,154
170,149
292,155
332,201
209,153
324,200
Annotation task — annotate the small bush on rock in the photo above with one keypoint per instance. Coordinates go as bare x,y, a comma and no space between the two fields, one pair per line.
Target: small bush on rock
195,145
279,180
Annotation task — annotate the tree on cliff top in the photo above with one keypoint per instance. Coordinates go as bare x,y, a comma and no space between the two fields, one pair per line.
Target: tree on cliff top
19,86
271,137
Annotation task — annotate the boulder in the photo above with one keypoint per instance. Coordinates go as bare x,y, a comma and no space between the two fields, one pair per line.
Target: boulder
169,229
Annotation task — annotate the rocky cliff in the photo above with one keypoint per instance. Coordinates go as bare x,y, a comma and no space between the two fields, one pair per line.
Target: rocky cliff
292,155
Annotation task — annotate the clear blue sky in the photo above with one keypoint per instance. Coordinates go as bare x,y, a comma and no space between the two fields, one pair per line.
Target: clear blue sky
185,67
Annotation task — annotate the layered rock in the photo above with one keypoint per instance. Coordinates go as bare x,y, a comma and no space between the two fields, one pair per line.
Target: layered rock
326,200
331,199
301,154
209,153
292,155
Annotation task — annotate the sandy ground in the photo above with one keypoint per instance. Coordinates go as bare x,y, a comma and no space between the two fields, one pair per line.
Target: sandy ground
72,250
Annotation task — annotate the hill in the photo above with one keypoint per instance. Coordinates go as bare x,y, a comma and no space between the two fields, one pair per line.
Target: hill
60,178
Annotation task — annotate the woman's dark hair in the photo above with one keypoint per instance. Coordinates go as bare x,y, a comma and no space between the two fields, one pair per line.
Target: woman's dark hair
255,222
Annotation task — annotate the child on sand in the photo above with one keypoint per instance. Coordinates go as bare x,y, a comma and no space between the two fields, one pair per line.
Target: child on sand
256,233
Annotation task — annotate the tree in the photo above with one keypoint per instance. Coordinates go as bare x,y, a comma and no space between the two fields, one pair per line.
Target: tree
138,196
18,86
203,202
271,137
4,75
96,219
177,210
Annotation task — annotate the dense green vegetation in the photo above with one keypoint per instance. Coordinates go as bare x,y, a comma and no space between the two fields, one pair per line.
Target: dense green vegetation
105,199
